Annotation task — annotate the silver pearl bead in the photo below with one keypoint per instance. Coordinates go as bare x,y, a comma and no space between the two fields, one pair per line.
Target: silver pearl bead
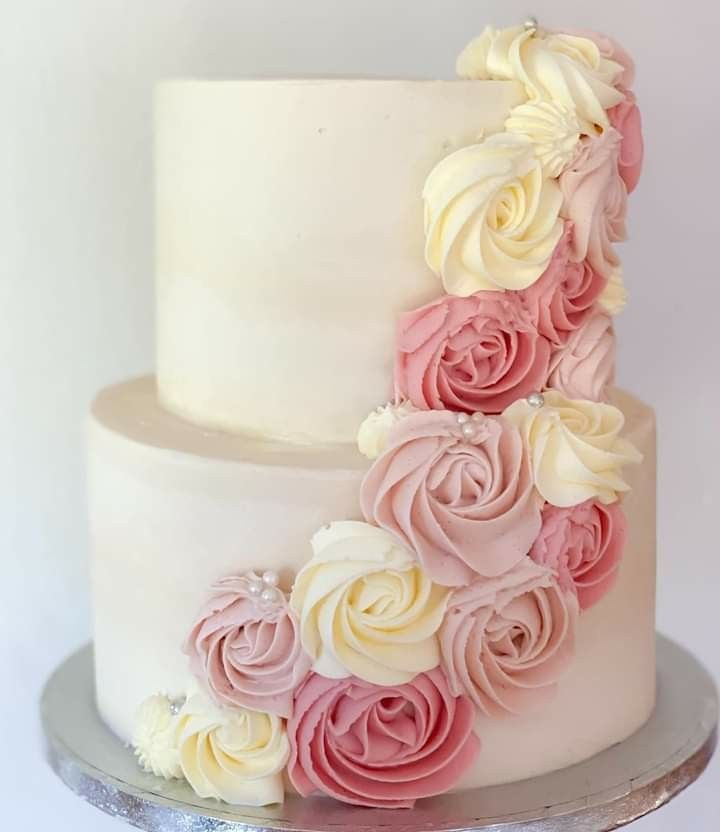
536,400
468,430
269,595
255,588
176,706
462,418
270,578
530,24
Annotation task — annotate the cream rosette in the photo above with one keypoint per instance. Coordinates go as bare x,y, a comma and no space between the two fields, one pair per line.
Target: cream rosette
614,296
568,69
236,755
492,218
372,437
575,448
366,608
154,738
553,129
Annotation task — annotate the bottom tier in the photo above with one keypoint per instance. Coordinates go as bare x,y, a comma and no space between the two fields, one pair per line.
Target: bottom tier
173,508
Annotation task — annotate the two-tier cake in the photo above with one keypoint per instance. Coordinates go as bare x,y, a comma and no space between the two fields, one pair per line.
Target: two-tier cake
382,527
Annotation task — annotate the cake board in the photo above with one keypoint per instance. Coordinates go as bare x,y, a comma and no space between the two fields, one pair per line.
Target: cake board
605,792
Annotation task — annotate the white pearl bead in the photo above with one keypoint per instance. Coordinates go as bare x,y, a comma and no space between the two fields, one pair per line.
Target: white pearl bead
255,588
462,418
478,417
176,706
468,430
269,595
530,24
536,400
270,578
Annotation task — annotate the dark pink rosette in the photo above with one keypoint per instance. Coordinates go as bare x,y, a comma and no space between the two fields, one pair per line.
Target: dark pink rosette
505,642
245,646
584,367
583,545
625,118
478,353
381,747
595,201
458,491
564,296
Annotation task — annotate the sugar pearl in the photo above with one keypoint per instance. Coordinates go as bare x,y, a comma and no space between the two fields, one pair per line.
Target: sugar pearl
255,588
468,430
462,418
270,578
176,706
530,24
269,595
536,400
478,417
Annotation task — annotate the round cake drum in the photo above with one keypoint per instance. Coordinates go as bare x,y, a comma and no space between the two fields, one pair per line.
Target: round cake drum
610,790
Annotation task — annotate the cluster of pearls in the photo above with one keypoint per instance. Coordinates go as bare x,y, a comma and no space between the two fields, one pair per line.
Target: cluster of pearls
469,425
264,589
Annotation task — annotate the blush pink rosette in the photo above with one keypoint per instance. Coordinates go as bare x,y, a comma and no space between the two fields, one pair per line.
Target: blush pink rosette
381,747
476,353
505,642
564,296
585,367
625,118
595,201
583,545
246,650
458,491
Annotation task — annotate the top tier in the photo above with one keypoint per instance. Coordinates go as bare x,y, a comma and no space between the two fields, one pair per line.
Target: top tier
290,238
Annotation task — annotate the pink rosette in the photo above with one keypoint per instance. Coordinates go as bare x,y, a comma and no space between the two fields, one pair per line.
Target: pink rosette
611,49
595,200
585,367
583,545
246,650
478,353
563,297
505,642
381,747
625,118
456,490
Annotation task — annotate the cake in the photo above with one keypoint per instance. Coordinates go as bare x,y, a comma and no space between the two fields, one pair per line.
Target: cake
382,526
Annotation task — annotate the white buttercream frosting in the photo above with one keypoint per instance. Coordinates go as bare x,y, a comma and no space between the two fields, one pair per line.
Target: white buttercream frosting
491,217
575,448
366,608
373,433
154,738
236,755
614,296
552,66
553,129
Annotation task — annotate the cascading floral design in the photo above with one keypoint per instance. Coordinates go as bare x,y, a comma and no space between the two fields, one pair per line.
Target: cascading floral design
492,505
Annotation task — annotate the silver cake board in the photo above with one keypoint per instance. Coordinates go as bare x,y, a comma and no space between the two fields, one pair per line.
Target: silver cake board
610,790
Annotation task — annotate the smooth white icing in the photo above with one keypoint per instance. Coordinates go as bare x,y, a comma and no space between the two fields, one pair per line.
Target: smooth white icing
173,508
290,239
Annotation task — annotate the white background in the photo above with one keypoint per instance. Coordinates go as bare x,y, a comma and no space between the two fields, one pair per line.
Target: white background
76,295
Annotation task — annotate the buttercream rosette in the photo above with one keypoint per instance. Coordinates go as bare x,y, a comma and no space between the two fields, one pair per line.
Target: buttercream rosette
233,754
595,201
583,545
246,651
366,608
565,296
381,747
492,219
479,353
575,448
570,70
585,367
458,492
506,641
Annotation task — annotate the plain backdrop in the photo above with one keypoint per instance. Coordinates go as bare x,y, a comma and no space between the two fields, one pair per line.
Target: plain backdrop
76,286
